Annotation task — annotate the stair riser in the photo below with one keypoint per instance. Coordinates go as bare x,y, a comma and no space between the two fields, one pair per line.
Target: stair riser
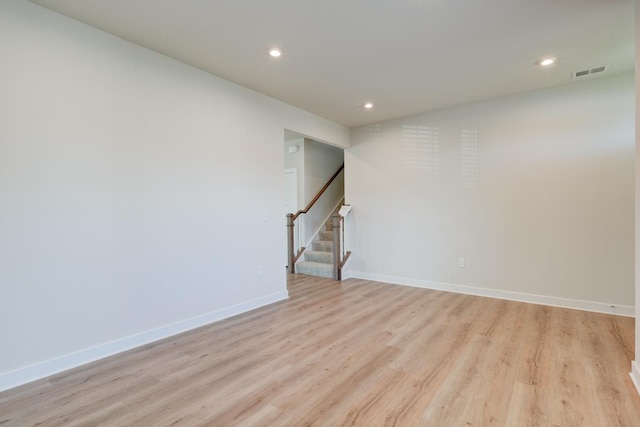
326,235
322,245
319,260
322,270
317,256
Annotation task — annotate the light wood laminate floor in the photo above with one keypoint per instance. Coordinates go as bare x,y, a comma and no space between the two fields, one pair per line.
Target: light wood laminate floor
358,353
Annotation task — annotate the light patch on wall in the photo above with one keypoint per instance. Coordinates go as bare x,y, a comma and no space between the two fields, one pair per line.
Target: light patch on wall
469,158
373,131
421,149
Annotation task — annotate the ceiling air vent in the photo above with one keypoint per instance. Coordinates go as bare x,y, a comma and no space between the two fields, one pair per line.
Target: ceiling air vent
589,71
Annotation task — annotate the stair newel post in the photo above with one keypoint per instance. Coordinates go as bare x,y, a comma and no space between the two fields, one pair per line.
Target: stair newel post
290,249
336,246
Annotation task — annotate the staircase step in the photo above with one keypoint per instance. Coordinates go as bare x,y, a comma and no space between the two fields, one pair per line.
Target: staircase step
326,235
322,245
319,256
315,269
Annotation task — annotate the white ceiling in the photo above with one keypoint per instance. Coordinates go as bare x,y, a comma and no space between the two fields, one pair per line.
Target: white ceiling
406,56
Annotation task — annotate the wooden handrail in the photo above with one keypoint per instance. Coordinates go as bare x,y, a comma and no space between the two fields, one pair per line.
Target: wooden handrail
320,193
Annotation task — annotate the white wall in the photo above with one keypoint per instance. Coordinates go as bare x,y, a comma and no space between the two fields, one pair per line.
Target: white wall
535,191
635,371
130,187
321,161
296,161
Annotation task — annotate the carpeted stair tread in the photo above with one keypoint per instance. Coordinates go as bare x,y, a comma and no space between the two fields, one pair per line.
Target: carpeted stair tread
318,260
322,245
319,256
326,235
315,269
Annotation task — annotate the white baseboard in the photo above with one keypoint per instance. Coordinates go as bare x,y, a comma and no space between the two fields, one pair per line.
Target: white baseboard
635,375
59,364
599,307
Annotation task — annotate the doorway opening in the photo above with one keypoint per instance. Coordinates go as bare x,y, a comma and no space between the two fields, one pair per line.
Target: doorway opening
308,166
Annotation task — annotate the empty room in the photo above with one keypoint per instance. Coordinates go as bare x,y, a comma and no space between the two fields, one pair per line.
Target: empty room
289,213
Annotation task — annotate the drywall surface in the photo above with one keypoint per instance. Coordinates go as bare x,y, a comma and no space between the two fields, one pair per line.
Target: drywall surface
131,186
295,160
533,193
321,161
635,372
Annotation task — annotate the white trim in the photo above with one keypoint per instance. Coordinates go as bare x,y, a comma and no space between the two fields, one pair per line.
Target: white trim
59,364
635,375
598,307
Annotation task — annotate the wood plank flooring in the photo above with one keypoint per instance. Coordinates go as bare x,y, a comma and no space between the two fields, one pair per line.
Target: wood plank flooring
357,353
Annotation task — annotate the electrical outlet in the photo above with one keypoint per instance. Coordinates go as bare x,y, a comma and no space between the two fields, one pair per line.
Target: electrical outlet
461,262
260,270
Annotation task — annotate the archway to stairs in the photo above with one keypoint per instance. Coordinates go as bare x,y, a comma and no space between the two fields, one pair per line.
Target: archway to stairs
312,164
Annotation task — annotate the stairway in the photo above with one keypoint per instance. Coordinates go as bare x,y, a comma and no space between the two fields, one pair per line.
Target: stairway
319,260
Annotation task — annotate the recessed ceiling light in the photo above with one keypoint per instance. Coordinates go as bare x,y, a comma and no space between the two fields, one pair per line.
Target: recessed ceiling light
275,52
368,105
545,62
